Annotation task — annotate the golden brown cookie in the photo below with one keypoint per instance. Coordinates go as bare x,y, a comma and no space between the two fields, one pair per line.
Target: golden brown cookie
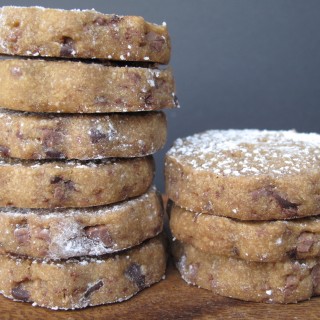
82,282
77,87
70,136
246,174
36,184
289,281
249,240
37,31
65,233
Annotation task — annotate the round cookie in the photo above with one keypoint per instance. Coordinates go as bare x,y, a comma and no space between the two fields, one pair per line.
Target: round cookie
37,31
268,241
47,136
82,282
246,174
77,87
271,282
36,184
65,233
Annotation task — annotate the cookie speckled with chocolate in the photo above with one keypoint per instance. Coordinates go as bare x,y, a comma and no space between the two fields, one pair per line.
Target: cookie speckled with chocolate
38,184
267,241
246,174
289,281
77,87
37,31
65,233
82,282
71,136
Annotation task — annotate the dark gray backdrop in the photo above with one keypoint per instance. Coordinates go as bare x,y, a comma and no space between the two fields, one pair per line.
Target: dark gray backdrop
237,63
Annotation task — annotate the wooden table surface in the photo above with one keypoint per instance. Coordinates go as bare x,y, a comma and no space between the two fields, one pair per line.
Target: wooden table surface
172,299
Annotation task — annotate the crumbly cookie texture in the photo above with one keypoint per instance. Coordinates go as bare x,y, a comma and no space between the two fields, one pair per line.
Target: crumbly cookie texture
77,87
246,174
268,241
37,31
65,233
289,281
47,136
82,282
36,184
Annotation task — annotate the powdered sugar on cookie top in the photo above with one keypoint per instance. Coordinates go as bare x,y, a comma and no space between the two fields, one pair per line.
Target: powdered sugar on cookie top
249,152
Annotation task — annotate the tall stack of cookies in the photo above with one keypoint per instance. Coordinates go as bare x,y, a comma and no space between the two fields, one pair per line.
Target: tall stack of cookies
244,206
81,93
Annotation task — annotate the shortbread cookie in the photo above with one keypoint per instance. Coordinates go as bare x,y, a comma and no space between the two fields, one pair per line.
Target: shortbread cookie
272,282
65,233
77,87
249,240
246,174
44,136
82,282
36,31
35,184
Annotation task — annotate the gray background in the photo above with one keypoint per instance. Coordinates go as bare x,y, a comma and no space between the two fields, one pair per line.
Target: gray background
237,63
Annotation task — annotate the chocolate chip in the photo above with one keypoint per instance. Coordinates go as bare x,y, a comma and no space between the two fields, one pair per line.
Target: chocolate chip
67,47
43,234
93,288
102,21
143,149
96,135
134,77
156,41
68,184
51,137
56,179
292,254
4,151
62,187
125,192
134,273
115,19
20,293
22,234
99,233
54,154
149,99
130,34
287,207
235,251
292,283
305,242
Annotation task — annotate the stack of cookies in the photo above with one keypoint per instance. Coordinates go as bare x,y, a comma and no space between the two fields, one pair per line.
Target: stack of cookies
244,206
78,130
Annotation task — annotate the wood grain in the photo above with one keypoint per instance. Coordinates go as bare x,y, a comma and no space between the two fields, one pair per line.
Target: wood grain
170,299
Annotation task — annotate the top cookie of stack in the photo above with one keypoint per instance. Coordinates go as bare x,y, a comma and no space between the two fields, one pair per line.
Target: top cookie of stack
87,34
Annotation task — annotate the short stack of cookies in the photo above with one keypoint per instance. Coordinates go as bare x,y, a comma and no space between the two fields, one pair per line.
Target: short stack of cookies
80,96
244,206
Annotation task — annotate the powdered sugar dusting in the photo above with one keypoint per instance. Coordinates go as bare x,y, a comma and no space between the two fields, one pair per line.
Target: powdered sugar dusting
249,152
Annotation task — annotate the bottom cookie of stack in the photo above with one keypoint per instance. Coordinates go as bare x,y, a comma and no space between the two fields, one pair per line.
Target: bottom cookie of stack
288,281
86,281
